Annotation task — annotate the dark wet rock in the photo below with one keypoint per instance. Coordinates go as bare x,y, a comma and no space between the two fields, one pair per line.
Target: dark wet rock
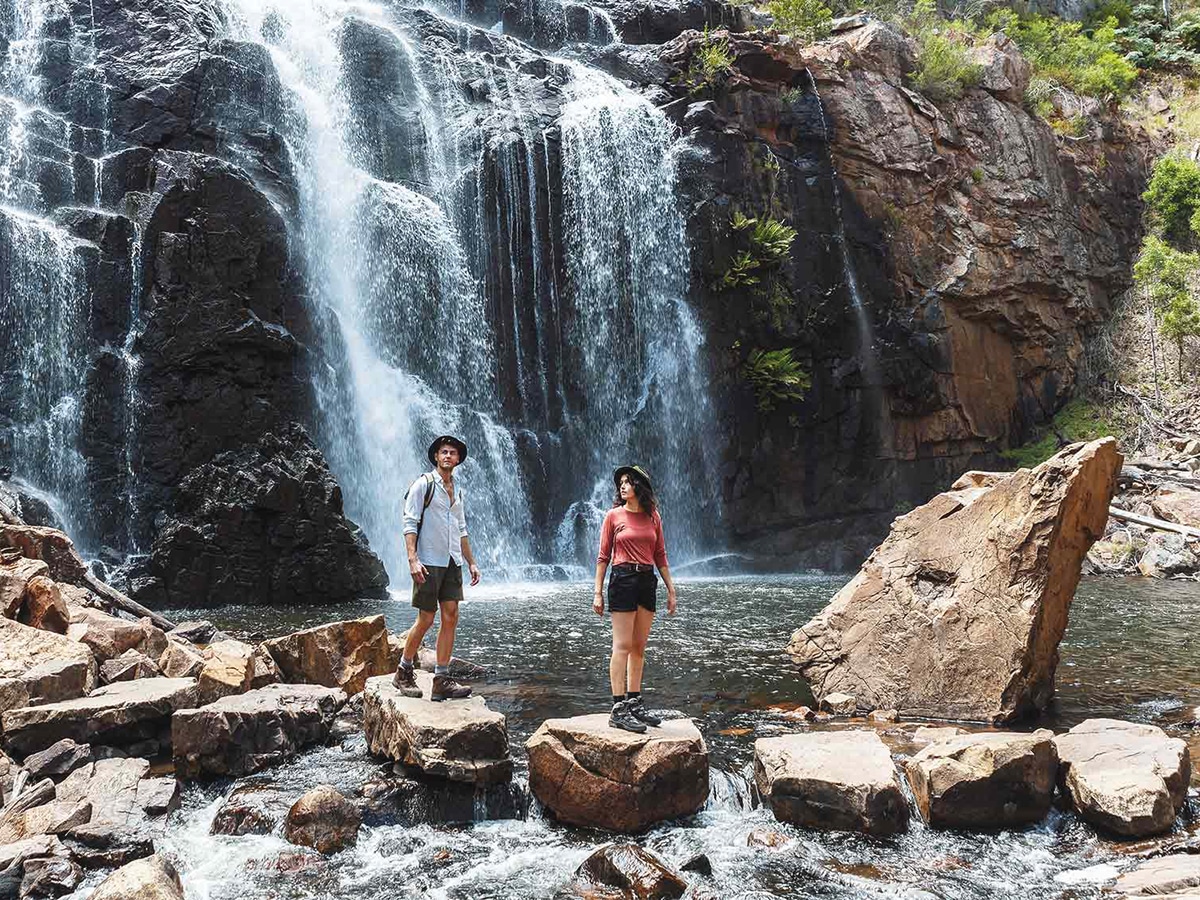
50,877
121,713
836,780
128,666
459,740
410,801
626,871
985,780
324,820
27,506
41,667
1126,779
245,733
959,613
251,809
762,837
59,759
591,775
195,632
700,864
655,21
340,654
153,878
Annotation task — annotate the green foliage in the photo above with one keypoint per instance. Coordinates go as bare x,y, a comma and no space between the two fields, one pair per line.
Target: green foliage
1167,276
1150,43
710,63
1077,421
770,238
977,175
741,271
802,20
775,377
1173,198
759,266
1064,54
1071,126
791,96
1038,97
943,69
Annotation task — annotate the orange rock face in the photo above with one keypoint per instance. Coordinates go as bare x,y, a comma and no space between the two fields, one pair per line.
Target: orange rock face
340,654
959,612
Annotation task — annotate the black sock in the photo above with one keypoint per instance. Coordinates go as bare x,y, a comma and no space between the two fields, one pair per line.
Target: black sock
633,695
618,698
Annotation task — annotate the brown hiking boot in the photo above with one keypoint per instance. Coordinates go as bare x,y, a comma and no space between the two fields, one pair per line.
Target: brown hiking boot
406,680
446,688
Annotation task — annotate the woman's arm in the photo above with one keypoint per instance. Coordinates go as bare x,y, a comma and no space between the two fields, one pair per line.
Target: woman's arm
660,560
672,601
602,560
598,595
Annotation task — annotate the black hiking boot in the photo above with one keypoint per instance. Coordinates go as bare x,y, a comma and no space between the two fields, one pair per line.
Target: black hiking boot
406,681
622,718
446,688
638,710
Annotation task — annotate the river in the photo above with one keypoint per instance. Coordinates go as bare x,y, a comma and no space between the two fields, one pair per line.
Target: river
1130,652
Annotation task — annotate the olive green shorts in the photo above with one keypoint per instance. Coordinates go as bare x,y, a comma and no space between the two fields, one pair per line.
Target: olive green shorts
443,584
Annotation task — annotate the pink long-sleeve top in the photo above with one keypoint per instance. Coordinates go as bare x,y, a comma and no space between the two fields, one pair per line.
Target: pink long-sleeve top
632,537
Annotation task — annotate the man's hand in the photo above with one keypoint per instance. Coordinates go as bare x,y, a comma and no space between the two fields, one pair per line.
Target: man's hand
474,574
671,602
418,571
598,603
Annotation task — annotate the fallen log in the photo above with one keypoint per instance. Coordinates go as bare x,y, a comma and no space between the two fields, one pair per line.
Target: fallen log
1160,524
119,600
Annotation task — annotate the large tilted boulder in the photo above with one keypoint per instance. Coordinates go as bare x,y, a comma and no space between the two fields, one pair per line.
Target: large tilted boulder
340,654
127,712
324,820
460,740
41,667
1127,779
591,775
248,732
45,607
959,612
228,669
153,878
836,780
997,780
110,636
49,545
15,575
625,870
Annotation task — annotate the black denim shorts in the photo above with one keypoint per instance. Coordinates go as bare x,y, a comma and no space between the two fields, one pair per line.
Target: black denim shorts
628,589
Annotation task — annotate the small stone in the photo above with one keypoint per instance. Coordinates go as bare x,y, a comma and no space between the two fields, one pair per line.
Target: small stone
761,837
194,632
58,760
324,820
802,713
265,670
839,704
883,716
129,665
251,809
700,864
153,878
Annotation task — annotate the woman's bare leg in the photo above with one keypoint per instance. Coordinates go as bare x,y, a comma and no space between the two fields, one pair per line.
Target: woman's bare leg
622,625
644,618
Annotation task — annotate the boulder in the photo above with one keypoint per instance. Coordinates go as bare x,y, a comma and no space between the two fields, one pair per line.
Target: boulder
1167,555
55,817
1127,779
41,667
180,660
410,801
129,665
59,759
1003,70
15,575
50,877
993,780
251,809
49,545
591,775
959,612
107,636
460,740
340,654
245,733
1176,504
121,713
839,704
229,669
1177,875
836,780
45,607
629,871
265,670
195,632
324,820
153,878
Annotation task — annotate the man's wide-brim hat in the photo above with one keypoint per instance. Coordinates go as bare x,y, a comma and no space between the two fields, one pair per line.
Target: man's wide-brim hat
633,472
453,442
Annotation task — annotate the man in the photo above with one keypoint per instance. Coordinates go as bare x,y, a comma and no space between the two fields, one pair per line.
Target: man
435,532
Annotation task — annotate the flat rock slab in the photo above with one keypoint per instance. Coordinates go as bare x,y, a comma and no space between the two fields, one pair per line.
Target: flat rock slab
1177,875
121,713
833,780
592,775
41,667
985,780
958,614
461,740
1124,778
248,732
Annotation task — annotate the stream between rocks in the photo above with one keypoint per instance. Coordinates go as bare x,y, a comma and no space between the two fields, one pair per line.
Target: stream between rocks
1130,652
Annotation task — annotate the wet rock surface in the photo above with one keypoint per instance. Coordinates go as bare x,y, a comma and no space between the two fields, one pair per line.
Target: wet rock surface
626,871
1126,779
413,799
459,740
340,654
242,734
838,780
324,820
591,775
992,566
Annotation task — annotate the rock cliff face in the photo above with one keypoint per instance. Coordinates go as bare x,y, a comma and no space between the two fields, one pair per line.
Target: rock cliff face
984,249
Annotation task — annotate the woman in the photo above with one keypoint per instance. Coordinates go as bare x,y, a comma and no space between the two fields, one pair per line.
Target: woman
632,539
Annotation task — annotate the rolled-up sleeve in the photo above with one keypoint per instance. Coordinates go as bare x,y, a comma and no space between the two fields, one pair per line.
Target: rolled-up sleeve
606,539
660,543
412,506
461,513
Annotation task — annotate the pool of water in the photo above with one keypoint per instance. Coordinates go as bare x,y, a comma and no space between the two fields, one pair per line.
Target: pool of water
1130,652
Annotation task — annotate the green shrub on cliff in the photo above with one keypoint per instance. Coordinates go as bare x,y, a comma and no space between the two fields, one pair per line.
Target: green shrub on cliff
1079,420
802,20
767,244
711,62
1168,278
775,378
943,67
1173,198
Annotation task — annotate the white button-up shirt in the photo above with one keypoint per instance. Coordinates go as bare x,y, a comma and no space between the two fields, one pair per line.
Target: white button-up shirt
445,524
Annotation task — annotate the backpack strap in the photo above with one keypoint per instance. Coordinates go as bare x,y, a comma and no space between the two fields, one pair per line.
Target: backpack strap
429,489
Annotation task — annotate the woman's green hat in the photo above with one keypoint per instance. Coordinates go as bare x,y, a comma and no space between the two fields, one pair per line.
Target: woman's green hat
632,472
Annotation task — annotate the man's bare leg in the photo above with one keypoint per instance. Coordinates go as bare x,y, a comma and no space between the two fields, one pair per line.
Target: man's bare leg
445,638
